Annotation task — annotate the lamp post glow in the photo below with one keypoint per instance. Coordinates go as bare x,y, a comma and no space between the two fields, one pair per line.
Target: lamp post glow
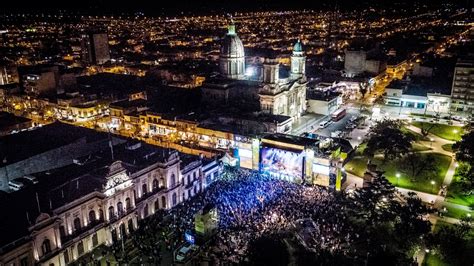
398,177
431,140
432,185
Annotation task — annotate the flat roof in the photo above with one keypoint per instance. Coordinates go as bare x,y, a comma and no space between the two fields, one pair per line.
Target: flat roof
23,145
290,139
7,119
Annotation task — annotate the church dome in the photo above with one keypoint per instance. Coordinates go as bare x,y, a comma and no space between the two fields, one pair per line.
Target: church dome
232,45
298,47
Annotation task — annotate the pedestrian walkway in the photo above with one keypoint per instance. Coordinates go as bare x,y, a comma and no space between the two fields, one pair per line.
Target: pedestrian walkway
436,144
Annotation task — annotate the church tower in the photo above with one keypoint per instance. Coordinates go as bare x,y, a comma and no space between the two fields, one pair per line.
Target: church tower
232,56
271,71
298,61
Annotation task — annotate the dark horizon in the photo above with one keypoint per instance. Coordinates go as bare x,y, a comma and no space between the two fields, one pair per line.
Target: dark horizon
109,7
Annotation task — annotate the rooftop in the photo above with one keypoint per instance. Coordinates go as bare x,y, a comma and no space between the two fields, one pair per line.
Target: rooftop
290,139
23,145
7,120
66,184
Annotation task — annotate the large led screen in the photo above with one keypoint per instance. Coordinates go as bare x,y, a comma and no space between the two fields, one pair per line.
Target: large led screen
282,162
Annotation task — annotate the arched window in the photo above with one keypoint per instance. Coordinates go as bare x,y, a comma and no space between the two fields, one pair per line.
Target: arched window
157,205
120,208
62,231
162,182
128,204
189,179
144,189
95,240
111,212
101,214
92,216
145,211
174,199
77,223
163,202
46,246
173,180
123,232
155,184
80,248
130,225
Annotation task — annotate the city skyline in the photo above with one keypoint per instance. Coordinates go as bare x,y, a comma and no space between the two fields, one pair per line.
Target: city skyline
237,133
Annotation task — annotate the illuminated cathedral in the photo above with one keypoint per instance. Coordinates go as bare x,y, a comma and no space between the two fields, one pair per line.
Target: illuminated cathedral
269,93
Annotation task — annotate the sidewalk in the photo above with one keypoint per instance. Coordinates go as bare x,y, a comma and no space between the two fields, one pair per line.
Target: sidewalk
436,144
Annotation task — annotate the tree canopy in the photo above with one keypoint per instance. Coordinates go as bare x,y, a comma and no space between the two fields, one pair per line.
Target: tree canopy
465,148
387,138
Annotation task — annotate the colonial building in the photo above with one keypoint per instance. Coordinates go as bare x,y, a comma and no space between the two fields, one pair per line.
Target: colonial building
98,201
270,93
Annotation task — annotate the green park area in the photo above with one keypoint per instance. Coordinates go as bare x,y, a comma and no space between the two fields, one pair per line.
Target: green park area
421,182
447,132
448,147
455,194
433,259
457,191
457,213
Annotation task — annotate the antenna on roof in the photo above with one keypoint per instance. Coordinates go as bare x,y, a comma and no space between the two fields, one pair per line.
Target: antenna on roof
28,218
37,202
110,143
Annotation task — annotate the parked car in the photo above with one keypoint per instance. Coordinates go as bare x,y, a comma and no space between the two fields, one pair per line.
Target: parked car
336,134
325,124
351,126
184,251
16,184
32,179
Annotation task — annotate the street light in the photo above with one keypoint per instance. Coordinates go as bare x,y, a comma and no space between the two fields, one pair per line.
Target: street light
398,177
432,185
431,144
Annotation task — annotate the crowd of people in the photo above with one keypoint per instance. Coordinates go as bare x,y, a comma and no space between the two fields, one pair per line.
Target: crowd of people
250,205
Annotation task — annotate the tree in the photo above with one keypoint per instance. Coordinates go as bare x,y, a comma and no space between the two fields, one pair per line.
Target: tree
465,148
465,154
454,243
426,128
387,137
390,229
417,164
465,178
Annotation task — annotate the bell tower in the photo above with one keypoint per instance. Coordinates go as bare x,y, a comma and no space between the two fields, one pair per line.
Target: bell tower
298,61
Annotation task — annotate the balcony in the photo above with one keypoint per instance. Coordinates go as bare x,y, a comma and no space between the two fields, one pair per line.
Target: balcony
82,230
121,214
149,194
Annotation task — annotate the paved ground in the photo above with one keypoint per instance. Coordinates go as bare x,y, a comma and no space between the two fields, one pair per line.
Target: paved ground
306,123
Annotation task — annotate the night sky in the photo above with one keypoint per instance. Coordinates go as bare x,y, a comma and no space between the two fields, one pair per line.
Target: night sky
160,7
